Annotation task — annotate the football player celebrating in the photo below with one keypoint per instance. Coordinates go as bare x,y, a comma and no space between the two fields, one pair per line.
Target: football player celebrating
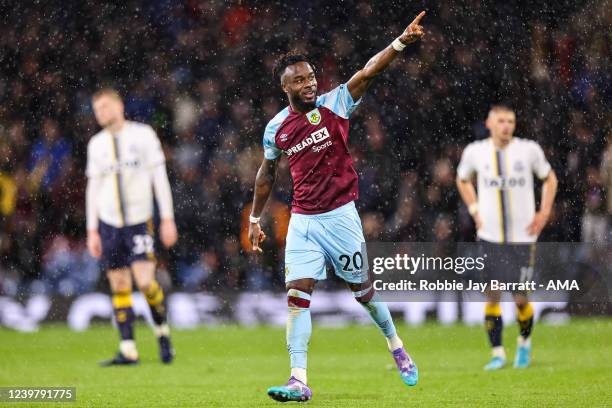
325,227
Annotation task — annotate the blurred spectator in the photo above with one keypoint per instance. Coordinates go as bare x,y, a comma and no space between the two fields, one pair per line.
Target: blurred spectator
49,154
68,269
606,181
8,188
594,220
190,213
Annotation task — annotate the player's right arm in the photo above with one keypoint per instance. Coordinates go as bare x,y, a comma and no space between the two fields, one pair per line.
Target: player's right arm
468,195
94,243
264,182
465,173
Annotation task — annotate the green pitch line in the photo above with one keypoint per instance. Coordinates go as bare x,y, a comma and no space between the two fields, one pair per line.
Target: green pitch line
349,367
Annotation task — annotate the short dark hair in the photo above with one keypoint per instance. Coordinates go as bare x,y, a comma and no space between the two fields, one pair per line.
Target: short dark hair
283,61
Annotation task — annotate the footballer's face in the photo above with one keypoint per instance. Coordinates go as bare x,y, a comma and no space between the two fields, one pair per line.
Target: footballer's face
501,124
300,84
108,110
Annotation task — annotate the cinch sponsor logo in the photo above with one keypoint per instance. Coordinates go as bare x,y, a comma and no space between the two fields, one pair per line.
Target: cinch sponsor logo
314,138
504,182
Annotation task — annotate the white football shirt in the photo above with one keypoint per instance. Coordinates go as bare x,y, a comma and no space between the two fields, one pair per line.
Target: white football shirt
506,198
123,165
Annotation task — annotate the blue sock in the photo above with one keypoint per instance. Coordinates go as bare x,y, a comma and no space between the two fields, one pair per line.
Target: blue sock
378,311
299,327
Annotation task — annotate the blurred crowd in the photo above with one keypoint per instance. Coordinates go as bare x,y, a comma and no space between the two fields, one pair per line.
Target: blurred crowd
200,73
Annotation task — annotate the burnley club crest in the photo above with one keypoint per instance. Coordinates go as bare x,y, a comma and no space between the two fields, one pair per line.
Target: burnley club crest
314,117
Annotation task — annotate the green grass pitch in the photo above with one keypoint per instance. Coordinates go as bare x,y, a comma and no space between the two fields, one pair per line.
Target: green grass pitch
348,367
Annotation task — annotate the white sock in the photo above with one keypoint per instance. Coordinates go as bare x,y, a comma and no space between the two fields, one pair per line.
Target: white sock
499,352
299,374
161,330
525,342
128,349
394,342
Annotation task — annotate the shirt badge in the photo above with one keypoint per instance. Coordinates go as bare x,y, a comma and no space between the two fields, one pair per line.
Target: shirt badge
314,117
518,166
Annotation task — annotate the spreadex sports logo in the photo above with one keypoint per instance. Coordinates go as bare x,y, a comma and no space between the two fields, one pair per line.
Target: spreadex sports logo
314,138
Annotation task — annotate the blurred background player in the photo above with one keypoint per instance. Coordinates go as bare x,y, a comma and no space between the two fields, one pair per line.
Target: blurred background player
125,165
325,226
504,213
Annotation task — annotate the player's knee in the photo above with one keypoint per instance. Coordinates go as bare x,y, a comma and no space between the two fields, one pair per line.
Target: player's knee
364,295
303,285
362,292
144,282
121,286
520,300
119,280
145,286
493,297
298,299
492,306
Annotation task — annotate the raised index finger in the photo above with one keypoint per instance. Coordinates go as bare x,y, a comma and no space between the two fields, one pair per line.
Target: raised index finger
418,18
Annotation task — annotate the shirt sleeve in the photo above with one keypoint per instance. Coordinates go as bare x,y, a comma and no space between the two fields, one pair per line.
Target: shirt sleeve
163,192
339,101
93,169
271,151
91,200
467,165
540,165
93,174
155,153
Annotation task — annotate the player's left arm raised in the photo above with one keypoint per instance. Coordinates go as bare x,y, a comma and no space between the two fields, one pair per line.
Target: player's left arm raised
360,82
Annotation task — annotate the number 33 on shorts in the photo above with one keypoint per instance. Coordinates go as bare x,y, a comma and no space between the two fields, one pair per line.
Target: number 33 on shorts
143,244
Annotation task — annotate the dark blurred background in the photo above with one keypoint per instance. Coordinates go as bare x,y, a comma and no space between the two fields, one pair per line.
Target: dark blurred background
200,73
